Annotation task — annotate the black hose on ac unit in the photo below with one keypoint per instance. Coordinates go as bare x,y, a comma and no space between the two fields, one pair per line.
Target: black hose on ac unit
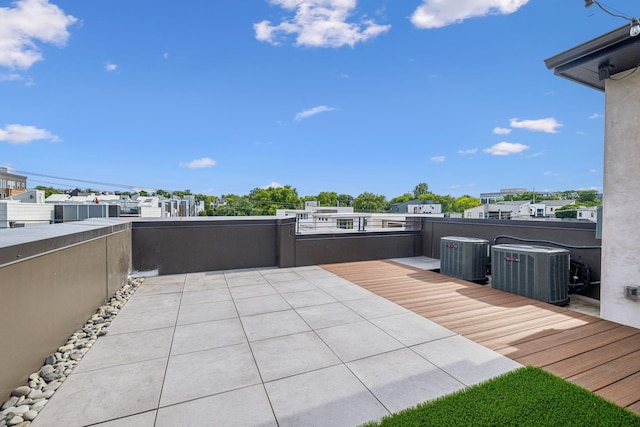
504,236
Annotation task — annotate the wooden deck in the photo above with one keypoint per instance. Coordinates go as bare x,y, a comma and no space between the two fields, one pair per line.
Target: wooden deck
599,355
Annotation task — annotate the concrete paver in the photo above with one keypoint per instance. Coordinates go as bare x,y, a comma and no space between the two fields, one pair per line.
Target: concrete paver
263,347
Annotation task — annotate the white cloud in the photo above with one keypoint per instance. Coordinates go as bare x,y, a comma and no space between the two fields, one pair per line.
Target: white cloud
204,162
506,148
596,116
440,13
534,155
466,152
548,125
593,170
24,24
501,131
319,23
14,77
438,159
454,186
10,77
20,134
108,66
313,111
165,55
272,185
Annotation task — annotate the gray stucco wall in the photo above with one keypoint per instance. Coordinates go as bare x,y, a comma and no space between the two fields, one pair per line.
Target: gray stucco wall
50,287
620,231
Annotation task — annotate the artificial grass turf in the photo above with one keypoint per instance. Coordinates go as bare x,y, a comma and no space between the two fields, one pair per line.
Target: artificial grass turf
527,396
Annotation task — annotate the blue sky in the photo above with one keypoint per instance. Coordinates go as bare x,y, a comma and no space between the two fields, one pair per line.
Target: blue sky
349,96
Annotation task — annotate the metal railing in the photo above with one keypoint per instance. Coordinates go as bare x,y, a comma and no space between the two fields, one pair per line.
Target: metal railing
357,224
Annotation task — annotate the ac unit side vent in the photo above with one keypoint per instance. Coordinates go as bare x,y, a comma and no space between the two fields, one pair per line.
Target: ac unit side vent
464,258
536,272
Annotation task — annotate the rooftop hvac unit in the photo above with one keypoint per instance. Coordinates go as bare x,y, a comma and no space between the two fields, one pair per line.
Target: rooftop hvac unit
464,258
537,272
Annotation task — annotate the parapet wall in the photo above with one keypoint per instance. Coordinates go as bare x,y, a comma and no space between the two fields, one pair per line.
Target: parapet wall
52,279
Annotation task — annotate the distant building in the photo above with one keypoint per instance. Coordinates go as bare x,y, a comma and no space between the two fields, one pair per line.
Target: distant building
548,208
11,184
25,209
517,210
501,210
588,213
417,207
487,198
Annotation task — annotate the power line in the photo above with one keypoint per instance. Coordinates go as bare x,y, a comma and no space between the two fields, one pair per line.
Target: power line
109,184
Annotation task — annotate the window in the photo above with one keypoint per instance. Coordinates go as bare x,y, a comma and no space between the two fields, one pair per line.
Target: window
302,216
346,224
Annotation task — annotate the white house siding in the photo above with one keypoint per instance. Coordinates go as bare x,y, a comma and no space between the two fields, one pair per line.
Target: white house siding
28,214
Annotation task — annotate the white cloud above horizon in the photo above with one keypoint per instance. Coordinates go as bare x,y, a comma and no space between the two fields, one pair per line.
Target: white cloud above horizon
272,185
501,131
438,159
440,13
110,67
467,152
24,24
21,134
318,23
202,163
596,116
506,148
313,111
548,125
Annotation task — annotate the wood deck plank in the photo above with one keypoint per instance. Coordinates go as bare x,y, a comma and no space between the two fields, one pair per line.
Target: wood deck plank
607,373
573,348
598,355
619,392
594,358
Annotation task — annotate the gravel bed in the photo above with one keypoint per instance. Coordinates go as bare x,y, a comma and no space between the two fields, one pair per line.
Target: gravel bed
28,400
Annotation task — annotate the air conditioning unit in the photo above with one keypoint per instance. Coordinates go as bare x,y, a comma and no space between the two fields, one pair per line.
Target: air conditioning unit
464,258
537,272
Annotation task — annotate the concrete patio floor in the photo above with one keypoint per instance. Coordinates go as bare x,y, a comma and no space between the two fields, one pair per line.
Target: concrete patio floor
263,347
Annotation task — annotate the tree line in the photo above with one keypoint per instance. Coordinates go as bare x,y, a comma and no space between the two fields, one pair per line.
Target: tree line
265,201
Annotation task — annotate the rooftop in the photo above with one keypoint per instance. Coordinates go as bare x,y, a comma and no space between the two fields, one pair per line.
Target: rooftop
295,346
324,345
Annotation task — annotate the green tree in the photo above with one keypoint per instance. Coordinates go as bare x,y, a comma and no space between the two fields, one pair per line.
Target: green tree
345,200
47,190
182,193
587,197
448,202
268,200
567,211
327,198
236,206
420,190
466,202
369,202
401,199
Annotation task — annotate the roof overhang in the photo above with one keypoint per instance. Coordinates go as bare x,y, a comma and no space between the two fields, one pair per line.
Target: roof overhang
591,63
